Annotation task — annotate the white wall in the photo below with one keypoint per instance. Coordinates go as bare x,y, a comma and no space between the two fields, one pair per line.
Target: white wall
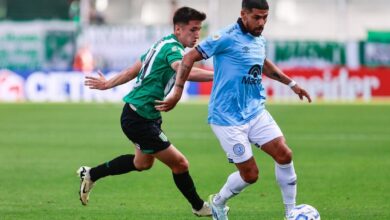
289,19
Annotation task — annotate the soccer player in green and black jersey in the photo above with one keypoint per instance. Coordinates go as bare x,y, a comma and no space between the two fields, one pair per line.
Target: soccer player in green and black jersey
141,122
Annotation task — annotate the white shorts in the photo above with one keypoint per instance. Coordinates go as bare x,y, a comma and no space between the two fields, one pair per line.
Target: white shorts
236,140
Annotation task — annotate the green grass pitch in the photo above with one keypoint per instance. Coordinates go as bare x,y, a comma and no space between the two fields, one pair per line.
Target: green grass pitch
341,156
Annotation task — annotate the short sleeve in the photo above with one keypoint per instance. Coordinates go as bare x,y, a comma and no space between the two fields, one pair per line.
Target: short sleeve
174,53
143,56
213,44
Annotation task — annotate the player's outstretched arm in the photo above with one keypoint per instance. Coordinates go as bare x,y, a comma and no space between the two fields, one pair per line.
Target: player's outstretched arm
183,70
200,75
124,76
273,72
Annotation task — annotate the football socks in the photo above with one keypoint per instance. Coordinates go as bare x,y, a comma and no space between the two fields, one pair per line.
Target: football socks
233,186
186,186
287,180
120,165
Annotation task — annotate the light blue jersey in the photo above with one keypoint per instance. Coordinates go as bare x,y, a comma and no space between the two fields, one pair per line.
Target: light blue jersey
237,95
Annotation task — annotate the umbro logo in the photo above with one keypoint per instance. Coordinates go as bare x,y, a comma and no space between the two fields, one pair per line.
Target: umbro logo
245,49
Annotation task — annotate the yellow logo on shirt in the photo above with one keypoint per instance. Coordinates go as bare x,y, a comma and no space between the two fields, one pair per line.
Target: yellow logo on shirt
216,36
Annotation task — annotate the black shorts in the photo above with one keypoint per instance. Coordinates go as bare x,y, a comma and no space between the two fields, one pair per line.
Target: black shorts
146,134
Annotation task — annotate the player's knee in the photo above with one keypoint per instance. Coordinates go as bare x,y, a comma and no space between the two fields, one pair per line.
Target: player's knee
284,157
143,166
250,176
181,166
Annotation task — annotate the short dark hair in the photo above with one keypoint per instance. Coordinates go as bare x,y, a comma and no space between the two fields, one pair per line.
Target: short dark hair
258,4
187,14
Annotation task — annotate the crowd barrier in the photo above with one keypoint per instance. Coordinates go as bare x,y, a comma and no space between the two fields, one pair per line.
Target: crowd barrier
337,84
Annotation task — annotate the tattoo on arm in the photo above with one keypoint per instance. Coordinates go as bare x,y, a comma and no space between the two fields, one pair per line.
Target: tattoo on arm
180,86
277,76
184,69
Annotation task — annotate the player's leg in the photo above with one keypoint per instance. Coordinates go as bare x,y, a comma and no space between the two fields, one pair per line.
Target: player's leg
235,143
284,170
179,165
152,142
247,174
266,134
132,125
143,161
120,165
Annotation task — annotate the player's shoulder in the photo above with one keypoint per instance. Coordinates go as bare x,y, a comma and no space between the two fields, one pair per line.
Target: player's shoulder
171,44
230,31
225,35
174,47
170,41
262,40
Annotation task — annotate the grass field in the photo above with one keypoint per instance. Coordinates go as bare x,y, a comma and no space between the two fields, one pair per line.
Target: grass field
341,155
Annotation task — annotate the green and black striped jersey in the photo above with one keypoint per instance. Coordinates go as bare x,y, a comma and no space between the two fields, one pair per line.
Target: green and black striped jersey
156,77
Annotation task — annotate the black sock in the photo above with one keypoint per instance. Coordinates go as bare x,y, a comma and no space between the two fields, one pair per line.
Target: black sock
120,165
186,186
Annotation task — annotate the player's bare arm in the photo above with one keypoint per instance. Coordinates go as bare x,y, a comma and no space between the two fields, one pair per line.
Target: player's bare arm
200,75
124,76
183,70
275,73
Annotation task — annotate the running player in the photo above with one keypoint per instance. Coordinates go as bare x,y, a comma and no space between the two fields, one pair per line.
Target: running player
141,122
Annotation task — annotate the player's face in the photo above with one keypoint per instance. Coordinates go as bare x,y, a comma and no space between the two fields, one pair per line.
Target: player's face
188,34
254,20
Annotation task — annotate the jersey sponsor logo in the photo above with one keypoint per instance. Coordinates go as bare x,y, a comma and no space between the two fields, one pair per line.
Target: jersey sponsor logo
238,149
253,77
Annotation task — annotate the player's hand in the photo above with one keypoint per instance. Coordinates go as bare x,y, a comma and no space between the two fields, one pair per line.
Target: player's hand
168,104
96,82
301,92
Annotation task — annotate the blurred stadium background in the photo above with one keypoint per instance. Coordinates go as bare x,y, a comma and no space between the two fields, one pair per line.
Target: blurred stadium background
338,49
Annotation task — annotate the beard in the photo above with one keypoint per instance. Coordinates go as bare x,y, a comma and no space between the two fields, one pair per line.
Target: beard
256,32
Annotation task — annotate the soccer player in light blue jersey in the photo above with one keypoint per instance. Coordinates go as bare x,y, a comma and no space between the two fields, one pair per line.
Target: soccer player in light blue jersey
237,113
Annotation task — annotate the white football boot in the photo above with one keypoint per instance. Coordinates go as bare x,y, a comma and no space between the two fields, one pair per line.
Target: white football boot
86,184
218,212
205,211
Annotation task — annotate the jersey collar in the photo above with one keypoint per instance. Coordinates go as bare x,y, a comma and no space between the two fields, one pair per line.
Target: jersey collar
175,37
242,26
